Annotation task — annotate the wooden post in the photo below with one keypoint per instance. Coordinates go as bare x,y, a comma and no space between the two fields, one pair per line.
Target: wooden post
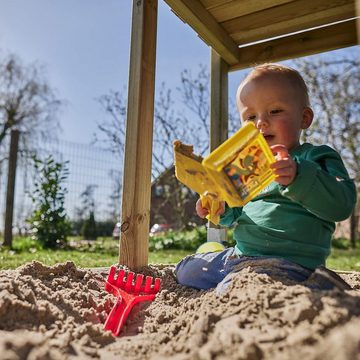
10,191
218,100
134,237
357,6
218,120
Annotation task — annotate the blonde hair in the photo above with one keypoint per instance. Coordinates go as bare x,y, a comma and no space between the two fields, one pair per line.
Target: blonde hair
285,71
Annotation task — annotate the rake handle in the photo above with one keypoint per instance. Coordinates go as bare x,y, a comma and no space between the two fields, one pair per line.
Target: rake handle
121,310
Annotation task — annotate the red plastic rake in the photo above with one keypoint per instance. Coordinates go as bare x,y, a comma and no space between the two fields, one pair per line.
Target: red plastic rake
128,293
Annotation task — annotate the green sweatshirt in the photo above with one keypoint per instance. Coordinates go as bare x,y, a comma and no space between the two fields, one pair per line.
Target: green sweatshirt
296,222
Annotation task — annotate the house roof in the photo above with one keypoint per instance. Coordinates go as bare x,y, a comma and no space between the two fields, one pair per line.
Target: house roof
245,32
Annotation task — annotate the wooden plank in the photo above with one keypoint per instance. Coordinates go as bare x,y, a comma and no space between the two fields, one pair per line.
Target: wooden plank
296,24
358,20
307,43
296,16
193,13
225,10
219,90
218,100
208,4
139,130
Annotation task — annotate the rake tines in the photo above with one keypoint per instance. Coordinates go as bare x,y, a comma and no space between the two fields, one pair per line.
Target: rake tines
130,290
125,280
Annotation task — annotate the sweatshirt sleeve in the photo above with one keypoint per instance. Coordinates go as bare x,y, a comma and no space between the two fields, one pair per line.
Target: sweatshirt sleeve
230,216
322,185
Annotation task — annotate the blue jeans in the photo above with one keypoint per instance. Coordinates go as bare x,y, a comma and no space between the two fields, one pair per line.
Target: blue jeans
216,269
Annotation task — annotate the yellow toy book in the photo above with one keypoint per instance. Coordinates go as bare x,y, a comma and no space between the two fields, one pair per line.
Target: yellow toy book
235,172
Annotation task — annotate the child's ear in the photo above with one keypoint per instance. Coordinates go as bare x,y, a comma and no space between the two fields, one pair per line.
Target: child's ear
307,119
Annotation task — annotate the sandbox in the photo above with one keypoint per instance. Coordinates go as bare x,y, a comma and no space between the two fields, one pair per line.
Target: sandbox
57,313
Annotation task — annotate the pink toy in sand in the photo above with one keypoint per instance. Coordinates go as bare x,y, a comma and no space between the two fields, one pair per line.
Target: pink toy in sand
129,290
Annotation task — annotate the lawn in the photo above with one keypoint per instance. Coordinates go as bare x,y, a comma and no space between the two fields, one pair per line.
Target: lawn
100,253
344,259
104,252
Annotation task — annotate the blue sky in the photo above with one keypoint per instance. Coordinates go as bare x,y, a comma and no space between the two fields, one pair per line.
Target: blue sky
85,47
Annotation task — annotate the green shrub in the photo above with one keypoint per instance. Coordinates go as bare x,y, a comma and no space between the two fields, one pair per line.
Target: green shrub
183,240
26,244
341,243
186,240
105,228
88,230
49,223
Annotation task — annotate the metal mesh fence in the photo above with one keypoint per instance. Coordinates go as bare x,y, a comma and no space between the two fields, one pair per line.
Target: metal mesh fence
88,166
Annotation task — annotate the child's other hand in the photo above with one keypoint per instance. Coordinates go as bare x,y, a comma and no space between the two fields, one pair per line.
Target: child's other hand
203,212
221,209
284,167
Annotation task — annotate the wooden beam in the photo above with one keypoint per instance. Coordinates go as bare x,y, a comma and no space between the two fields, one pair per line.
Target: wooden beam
225,10
139,131
295,16
193,13
219,90
357,2
218,100
307,43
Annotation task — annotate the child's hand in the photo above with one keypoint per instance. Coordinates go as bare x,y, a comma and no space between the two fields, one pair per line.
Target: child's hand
200,210
285,167
203,212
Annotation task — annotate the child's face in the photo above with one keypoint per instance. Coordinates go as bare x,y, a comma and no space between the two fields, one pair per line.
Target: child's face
275,107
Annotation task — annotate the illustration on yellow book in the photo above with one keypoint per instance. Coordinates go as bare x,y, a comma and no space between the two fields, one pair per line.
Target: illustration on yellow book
235,172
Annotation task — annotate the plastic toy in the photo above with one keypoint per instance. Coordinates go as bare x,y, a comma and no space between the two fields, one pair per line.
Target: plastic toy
129,291
210,246
235,172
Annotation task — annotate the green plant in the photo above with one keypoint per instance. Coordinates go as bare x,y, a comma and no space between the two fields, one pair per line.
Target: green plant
49,223
340,243
25,244
88,230
181,240
184,240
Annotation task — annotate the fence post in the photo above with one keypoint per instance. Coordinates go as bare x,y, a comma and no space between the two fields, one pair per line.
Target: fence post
10,191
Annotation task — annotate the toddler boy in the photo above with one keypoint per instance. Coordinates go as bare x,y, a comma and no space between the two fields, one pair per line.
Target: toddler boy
291,222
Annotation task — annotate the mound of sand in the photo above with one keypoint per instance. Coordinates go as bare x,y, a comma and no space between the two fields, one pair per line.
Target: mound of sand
57,313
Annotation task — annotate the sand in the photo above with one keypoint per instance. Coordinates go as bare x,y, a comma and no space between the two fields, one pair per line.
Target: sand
57,313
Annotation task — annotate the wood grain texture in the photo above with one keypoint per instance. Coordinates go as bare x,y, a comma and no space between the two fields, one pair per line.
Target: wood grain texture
218,100
225,10
295,16
208,29
307,43
139,134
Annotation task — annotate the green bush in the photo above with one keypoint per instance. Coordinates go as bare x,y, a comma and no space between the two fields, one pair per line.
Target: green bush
183,240
49,223
341,243
105,228
186,240
25,244
88,230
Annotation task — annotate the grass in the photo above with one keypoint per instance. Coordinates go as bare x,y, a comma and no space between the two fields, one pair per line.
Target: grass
101,253
344,259
104,252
